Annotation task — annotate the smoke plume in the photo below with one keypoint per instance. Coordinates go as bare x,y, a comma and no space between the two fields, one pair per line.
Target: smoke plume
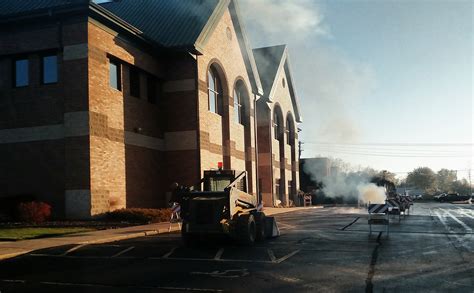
330,84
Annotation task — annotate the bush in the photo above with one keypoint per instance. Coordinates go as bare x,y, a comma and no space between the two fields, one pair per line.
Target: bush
34,211
137,215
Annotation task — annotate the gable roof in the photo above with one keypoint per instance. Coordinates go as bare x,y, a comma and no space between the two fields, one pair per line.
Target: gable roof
172,24
271,62
184,24
9,7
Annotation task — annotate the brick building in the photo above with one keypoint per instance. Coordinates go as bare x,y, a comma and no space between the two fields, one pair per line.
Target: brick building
104,104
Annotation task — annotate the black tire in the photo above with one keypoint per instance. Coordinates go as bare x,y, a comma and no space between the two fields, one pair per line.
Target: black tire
260,223
246,229
188,238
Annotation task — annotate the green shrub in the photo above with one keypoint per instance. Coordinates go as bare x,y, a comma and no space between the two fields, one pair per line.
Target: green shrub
137,215
34,211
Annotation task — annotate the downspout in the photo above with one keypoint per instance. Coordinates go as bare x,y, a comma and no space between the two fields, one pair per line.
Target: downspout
198,121
255,126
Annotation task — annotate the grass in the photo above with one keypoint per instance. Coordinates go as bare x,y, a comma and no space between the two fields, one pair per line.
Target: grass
13,234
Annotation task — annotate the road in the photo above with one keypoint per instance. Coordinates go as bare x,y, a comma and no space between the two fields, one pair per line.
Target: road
320,250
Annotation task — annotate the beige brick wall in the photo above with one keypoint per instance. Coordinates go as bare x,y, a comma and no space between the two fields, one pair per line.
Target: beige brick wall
228,54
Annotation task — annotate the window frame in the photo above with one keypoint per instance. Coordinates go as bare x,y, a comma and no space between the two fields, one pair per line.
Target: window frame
118,74
14,71
217,91
133,73
43,68
238,107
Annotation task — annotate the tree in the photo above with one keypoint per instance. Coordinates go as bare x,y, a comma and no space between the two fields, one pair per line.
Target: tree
461,186
423,178
445,179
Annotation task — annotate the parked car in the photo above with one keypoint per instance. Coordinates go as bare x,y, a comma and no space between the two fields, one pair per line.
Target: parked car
439,196
454,197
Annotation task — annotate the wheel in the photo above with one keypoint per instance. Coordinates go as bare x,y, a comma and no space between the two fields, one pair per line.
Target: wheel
246,229
260,224
188,238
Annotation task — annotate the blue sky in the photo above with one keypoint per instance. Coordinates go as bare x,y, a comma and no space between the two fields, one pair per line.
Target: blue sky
390,72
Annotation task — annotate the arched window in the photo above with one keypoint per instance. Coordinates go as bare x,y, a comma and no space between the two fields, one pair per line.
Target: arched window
238,106
289,130
215,91
276,124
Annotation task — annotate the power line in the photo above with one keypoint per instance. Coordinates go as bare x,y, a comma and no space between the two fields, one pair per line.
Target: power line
392,144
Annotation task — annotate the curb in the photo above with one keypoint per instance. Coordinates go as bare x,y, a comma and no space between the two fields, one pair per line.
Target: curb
98,241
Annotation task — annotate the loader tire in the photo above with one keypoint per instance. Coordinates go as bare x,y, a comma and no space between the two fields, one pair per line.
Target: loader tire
246,229
188,239
260,223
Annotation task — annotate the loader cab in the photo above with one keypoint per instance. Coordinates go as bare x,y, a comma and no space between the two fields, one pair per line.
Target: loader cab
218,180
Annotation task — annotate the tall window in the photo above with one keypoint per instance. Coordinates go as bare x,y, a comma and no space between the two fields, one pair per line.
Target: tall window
115,80
238,106
276,125
21,72
215,91
289,127
151,88
134,82
49,66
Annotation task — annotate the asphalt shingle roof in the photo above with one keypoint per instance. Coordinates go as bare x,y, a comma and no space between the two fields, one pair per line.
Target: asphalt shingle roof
268,60
170,23
8,7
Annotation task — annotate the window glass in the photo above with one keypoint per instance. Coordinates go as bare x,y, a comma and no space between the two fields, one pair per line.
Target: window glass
214,87
237,107
151,89
50,69
114,76
134,82
212,101
21,72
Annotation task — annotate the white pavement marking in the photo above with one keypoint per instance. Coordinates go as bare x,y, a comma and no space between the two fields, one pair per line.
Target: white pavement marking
170,252
285,226
282,259
465,212
13,281
225,274
460,240
134,287
73,249
123,251
271,255
219,254
457,220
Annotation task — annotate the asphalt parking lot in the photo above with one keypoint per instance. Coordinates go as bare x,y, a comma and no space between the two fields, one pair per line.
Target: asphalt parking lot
320,250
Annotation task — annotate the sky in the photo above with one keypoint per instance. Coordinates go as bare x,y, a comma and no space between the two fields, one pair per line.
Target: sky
383,84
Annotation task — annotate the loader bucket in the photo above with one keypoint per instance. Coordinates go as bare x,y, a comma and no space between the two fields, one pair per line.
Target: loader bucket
271,227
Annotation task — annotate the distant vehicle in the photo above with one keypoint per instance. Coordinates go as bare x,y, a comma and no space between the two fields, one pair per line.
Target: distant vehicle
454,197
439,196
418,196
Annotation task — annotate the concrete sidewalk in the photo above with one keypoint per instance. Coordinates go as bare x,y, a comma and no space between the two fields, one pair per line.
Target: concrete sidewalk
11,249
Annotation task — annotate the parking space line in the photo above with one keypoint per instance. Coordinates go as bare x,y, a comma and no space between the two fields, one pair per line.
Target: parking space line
167,255
123,251
465,212
73,249
219,254
271,255
282,259
457,220
211,259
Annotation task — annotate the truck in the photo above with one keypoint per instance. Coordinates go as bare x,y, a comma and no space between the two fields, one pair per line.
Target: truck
221,205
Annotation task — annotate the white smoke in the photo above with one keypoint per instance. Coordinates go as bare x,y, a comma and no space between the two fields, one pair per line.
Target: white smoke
371,193
340,181
329,82
283,17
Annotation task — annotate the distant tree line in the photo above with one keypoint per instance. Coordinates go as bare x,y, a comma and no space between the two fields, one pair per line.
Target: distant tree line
442,181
